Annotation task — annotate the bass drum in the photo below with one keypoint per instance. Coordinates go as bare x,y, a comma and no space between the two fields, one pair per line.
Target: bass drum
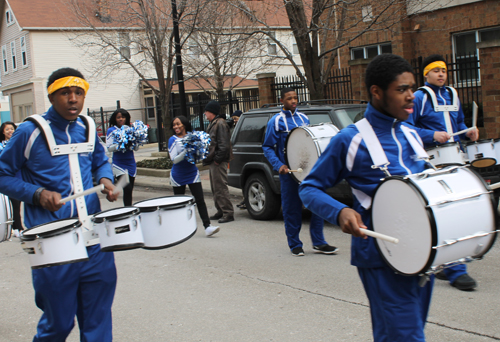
441,218
6,218
304,145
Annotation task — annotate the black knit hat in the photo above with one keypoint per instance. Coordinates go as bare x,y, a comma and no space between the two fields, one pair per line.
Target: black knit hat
237,113
213,107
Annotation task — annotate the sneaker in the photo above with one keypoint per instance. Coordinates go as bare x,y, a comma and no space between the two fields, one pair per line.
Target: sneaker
216,216
225,219
211,230
325,249
242,205
441,276
298,251
465,283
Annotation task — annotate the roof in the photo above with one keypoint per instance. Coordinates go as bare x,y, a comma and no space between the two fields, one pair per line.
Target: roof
57,14
192,85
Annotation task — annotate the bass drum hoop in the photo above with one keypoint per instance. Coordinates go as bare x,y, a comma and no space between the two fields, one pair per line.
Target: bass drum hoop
171,206
28,234
97,218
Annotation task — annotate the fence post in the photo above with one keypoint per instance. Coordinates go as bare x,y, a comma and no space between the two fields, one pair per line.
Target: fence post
200,112
118,106
230,100
104,128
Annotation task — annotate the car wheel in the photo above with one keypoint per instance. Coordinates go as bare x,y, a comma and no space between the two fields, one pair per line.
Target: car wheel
262,203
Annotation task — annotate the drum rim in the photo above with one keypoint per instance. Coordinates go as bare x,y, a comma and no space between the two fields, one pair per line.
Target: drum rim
115,217
430,217
479,141
59,231
172,244
451,143
485,158
188,201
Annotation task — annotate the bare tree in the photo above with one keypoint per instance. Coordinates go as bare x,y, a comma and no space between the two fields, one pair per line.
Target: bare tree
322,27
134,37
219,49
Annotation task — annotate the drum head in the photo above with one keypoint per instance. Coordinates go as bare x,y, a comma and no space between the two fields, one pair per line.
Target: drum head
115,214
50,229
167,202
5,217
399,210
483,162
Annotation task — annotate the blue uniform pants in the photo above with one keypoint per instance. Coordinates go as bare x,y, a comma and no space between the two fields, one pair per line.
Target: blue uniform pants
398,305
292,215
85,289
452,273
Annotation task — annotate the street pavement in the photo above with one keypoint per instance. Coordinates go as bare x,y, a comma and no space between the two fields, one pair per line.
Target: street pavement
242,284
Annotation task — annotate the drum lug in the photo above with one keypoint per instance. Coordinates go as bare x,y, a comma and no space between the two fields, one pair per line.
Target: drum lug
76,238
190,214
134,224
40,247
159,218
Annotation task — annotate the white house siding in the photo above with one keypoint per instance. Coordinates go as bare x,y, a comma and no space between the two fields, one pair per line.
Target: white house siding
53,50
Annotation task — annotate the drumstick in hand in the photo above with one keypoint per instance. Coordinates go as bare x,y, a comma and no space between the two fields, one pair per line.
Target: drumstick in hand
122,182
83,193
380,236
299,170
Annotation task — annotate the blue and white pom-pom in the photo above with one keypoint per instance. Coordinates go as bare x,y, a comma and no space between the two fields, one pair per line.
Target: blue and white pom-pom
2,145
196,145
130,137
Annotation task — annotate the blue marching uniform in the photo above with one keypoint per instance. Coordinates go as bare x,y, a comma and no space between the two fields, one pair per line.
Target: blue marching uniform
85,289
183,172
398,305
121,160
278,128
427,121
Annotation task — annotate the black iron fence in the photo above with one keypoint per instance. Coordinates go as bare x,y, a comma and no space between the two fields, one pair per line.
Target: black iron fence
463,75
338,87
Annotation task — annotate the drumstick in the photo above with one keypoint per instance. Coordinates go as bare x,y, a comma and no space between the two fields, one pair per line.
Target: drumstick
380,236
463,131
299,170
122,182
495,186
83,193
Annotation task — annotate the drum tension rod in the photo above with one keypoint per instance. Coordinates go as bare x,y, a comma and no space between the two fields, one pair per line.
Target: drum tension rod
465,238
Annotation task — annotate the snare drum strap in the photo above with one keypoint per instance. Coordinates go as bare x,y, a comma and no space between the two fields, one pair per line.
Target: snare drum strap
417,147
373,145
446,109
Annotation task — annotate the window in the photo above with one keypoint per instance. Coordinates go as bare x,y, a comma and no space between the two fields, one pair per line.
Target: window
193,48
371,51
252,130
9,17
271,44
124,41
295,48
13,54
24,57
4,59
366,13
466,53
150,107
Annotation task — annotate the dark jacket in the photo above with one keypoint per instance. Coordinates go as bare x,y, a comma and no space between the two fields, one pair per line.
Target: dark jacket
220,144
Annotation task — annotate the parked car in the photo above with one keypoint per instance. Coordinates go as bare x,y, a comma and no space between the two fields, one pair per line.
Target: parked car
249,170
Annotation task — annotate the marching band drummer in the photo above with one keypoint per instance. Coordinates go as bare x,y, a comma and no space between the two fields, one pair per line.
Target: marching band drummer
398,304
85,289
436,128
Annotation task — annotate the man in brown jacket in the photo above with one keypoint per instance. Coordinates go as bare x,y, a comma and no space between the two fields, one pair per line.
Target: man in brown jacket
218,159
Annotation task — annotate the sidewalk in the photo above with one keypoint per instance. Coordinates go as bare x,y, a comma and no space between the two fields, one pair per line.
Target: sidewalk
160,179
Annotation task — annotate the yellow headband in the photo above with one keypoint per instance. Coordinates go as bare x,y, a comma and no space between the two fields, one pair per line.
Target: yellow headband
434,65
70,81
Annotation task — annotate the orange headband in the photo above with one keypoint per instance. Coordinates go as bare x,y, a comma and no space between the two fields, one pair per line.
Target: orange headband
434,65
70,81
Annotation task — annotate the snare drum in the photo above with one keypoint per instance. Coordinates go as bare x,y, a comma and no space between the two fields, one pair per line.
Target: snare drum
441,218
6,218
446,154
481,153
167,221
119,229
55,243
304,145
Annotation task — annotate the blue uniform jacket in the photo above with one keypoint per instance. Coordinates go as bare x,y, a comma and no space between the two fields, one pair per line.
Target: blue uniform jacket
183,172
122,160
428,121
277,130
346,157
28,152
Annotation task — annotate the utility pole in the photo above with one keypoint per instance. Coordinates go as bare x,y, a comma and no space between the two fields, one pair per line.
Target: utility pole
178,59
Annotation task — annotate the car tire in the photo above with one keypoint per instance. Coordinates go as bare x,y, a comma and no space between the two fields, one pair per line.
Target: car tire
261,202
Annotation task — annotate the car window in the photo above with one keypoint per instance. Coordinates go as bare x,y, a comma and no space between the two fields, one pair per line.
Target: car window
252,129
317,118
349,116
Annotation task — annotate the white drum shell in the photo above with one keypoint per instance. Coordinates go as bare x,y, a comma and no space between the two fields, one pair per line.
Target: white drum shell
65,248
172,223
481,149
304,145
117,233
496,147
6,218
449,153
399,210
